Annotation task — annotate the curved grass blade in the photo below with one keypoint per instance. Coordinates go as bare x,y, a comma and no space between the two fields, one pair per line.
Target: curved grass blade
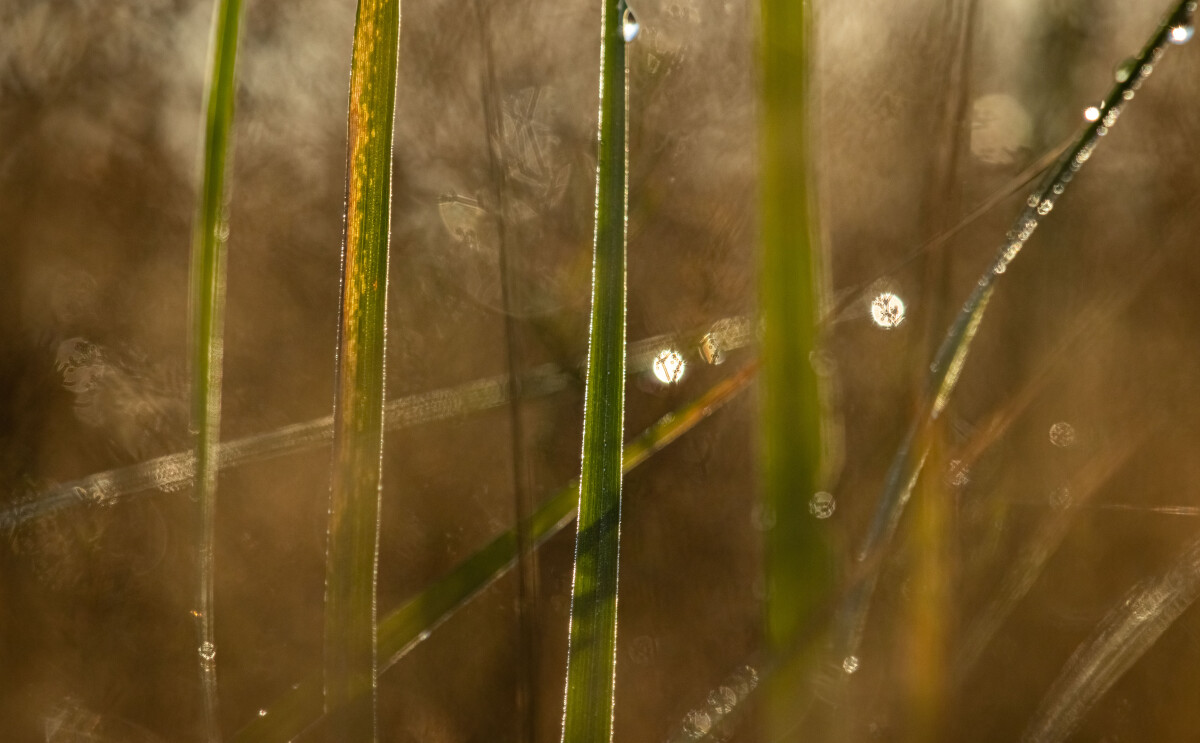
173,472
952,355
592,640
207,309
1120,639
358,417
798,561
406,627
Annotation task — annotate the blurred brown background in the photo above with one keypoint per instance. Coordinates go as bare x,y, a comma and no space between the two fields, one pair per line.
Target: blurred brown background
925,110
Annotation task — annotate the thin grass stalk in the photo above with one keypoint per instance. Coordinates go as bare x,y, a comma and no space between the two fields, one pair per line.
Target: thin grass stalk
798,561
174,472
951,356
207,309
592,639
1124,635
527,567
413,622
358,417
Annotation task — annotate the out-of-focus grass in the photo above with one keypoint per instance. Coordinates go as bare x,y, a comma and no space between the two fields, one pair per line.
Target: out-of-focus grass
207,308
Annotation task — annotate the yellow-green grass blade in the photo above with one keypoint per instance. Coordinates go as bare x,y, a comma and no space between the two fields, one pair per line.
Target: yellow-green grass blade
206,307
798,562
592,643
358,418
411,623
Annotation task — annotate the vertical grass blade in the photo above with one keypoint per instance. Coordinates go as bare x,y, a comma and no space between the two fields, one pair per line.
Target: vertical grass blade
1120,639
798,566
406,627
592,643
206,307
358,417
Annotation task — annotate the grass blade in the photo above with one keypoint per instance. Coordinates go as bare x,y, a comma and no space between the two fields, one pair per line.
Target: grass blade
951,356
358,418
403,629
798,567
592,643
207,307
1121,638
173,472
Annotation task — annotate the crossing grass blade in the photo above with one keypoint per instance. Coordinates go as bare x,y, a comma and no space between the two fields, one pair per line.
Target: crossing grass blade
403,629
206,306
592,643
798,560
358,418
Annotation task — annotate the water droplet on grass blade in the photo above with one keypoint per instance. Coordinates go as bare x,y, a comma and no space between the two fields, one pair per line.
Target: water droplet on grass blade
697,724
711,351
1091,113
208,652
822,505
1062,434
1181,33
629,23
887,310
850,664
669,366
1125,70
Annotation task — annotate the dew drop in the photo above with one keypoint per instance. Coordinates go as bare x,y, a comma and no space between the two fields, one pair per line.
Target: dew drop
1091,113
1125,70
1061,498
958,473
629,24
1045,207
822,505
711,351
1032,200
1058,189
262,713
850,664
1062,434
697,724
887,310
208,652
1181,33
669,366
722,700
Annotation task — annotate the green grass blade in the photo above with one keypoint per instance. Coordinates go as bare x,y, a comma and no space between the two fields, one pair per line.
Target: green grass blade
407,626
798,567
358,418
591,650
951,356
206,306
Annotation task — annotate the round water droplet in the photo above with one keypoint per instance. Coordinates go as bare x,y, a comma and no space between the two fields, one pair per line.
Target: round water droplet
850,664
1061,497
629,24
1181,33
711,351
208,652
887,310
1125,70
669,366
822,505
1091,113
722,700
958,473
697,724
1045,207
1058,189
1062,434
262,713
